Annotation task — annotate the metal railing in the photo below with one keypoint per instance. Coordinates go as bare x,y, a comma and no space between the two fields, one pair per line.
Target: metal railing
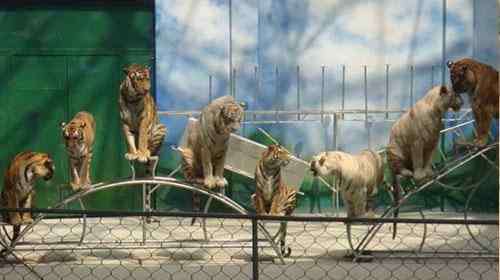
114,248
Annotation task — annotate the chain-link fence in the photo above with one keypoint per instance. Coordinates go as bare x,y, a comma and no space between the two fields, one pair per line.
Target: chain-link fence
71,244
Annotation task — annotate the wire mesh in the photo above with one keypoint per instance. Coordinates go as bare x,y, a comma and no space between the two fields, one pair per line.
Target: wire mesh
113,247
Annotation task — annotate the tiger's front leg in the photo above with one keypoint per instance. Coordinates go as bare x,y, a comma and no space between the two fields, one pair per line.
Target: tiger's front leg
417,157
85,172
75,175
259,204
143,153
130,138
220,181
15,218
26,216
206,161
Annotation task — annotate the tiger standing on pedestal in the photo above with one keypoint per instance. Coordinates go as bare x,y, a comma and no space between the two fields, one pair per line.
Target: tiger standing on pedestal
78,137
480,82
19,182
140,123
207,142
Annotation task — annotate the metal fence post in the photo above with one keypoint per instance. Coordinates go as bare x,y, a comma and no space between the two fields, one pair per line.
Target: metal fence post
322,97
255,249
209,88
387,91
343,91
298,92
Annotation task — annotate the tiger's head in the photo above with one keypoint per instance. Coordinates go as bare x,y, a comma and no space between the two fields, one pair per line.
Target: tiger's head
231,115
138,80
276,156
448,98
73,131
325,163
36,165
461,76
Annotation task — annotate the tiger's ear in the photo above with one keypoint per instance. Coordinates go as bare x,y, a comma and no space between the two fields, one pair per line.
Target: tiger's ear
243,105
449,63
322,160
443,91
125,70
62,125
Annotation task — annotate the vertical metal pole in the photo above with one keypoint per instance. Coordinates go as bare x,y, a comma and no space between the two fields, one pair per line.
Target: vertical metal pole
367,124
335,132
298,92
387,91
432,76
412,72
255,249
257,89
343,91
443,60
365,84
276,89
234,83
230,48
210,88
322,93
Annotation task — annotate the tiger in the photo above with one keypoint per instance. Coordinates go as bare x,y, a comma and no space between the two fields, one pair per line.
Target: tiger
207,142
272,196
19,182
78,136
141,126
480,82
414,138
358,177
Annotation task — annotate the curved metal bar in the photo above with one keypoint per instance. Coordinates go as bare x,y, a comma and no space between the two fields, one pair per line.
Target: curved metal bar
467,226
163,181
374,229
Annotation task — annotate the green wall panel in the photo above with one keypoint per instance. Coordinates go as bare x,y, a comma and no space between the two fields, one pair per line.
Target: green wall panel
73,27
61,61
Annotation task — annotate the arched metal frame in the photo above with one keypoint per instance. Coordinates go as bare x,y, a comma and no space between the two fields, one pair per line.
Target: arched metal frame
158,181
360,248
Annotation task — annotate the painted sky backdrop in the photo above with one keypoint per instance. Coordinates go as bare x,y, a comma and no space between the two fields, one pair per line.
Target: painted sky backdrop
274,36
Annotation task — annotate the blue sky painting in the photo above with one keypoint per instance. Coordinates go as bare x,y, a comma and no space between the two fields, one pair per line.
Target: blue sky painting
275,36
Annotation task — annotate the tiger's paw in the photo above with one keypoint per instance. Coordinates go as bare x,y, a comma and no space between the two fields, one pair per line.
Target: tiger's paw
480,143
16,221
131,156
220,182
86,186
27,221
143,156
75,186
406,173
210,182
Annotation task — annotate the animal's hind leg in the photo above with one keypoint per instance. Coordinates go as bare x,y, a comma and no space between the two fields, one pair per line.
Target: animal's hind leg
85,171
483,121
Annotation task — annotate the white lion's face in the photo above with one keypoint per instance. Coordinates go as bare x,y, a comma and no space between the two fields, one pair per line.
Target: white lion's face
324,164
